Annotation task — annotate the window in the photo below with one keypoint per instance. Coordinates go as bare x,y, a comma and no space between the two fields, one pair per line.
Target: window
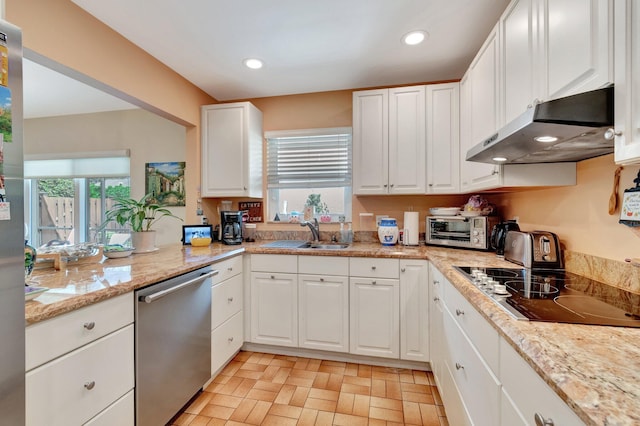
66,199
309,168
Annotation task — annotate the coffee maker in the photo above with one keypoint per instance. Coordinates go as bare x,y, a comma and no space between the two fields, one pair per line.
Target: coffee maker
231,227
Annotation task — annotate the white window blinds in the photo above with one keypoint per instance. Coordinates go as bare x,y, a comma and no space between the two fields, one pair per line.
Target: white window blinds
312,158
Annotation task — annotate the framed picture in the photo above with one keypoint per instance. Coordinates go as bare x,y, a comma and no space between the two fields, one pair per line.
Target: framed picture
197,231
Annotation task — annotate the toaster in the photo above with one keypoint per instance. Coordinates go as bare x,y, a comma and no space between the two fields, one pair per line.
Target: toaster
536,249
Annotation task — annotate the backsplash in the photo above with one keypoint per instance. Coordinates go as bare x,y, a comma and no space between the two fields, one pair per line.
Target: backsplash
618,274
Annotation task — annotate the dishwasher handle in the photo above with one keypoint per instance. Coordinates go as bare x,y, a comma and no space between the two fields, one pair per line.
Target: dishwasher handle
150,298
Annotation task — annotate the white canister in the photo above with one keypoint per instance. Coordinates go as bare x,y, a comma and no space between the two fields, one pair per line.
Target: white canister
388,232
411,228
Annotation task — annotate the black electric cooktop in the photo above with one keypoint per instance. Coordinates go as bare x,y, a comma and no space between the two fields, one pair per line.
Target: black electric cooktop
556,296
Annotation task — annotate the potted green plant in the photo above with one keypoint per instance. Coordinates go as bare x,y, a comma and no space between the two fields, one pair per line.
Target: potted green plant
140,216
319,207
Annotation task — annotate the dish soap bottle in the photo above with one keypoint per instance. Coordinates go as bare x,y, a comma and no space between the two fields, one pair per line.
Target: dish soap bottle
388,231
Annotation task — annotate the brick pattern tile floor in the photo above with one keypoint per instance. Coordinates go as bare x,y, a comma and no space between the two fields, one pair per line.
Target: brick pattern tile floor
265,389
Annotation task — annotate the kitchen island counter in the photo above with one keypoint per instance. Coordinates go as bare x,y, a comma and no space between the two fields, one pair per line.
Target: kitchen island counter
594,369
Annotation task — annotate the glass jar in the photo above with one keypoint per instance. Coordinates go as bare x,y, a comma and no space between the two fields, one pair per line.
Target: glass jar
388,231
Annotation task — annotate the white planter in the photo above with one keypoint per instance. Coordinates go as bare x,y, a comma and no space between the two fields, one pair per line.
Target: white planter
143,242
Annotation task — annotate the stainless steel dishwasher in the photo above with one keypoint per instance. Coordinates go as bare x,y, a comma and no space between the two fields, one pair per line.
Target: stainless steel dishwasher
172,344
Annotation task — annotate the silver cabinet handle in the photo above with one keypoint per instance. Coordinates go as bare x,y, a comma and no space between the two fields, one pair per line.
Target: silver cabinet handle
435,299
373,268
230,299
89,325
374,282
160,294
230,339
385,185
321,280
436,282
391,185
229,269
541,421
90,385
612,133
459,366
459,312
273,277
402,269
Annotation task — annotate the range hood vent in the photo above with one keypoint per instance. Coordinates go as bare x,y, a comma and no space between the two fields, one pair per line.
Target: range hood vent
579,123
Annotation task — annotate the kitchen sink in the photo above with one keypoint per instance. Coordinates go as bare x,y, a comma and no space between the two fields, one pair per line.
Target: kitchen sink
299,244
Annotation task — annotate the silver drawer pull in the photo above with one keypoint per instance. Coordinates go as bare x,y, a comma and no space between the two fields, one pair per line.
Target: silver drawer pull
459,312
459,366
230,299
273,277
373,268
229,269
541,421
374,282
402,270
435,299
321,280
89,325
436,282
230,339
90,385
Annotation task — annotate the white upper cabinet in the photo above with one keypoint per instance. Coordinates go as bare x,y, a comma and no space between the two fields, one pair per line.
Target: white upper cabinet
576,52
231,150
443,138
627,82
551,49
389,141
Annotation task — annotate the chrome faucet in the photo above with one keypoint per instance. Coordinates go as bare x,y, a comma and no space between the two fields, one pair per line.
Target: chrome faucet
314,227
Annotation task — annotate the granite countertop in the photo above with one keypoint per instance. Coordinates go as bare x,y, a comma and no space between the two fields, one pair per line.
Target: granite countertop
594,369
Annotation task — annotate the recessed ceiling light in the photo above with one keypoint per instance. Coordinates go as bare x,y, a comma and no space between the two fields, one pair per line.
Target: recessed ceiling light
414,37
545,139
253,63
499,159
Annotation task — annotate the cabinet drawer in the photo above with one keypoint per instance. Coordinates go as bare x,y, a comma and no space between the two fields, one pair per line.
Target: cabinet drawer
484,337
478,386
227,269
375,268
274,263
49,339
75,387
520,382
323,265
226,340
119,413
226,300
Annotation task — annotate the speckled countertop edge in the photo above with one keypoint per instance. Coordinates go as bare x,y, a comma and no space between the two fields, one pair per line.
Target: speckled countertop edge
595,370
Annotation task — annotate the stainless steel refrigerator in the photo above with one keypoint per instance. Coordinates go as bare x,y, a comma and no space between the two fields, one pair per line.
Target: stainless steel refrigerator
12,323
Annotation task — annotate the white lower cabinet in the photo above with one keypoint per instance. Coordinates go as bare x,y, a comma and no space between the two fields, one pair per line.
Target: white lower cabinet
414,310
227,334
529,398
323,312
73,388
478,386
374,317
436,328
80,366
274,308
119,413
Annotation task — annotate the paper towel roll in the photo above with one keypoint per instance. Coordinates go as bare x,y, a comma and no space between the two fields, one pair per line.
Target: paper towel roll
411,229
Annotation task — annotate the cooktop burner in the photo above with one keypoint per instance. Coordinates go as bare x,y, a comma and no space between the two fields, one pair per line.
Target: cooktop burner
556,296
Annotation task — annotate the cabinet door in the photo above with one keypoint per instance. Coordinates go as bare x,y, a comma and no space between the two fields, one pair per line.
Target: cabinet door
370,142
374,318
443,141
323,312
436,348
577,54
274,309
407,146
485,99
627,88
414,310
518,41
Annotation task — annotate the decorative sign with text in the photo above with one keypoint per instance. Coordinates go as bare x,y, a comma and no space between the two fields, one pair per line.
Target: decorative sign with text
252,211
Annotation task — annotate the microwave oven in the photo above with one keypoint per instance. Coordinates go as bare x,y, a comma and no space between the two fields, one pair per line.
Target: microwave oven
459,231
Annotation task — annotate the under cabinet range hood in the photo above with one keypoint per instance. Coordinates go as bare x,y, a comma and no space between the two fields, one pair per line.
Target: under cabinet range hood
562,130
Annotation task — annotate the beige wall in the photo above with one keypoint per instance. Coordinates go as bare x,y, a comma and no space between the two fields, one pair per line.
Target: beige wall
149,138
61,32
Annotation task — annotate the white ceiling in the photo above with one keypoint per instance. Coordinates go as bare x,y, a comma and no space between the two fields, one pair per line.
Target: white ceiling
307,46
